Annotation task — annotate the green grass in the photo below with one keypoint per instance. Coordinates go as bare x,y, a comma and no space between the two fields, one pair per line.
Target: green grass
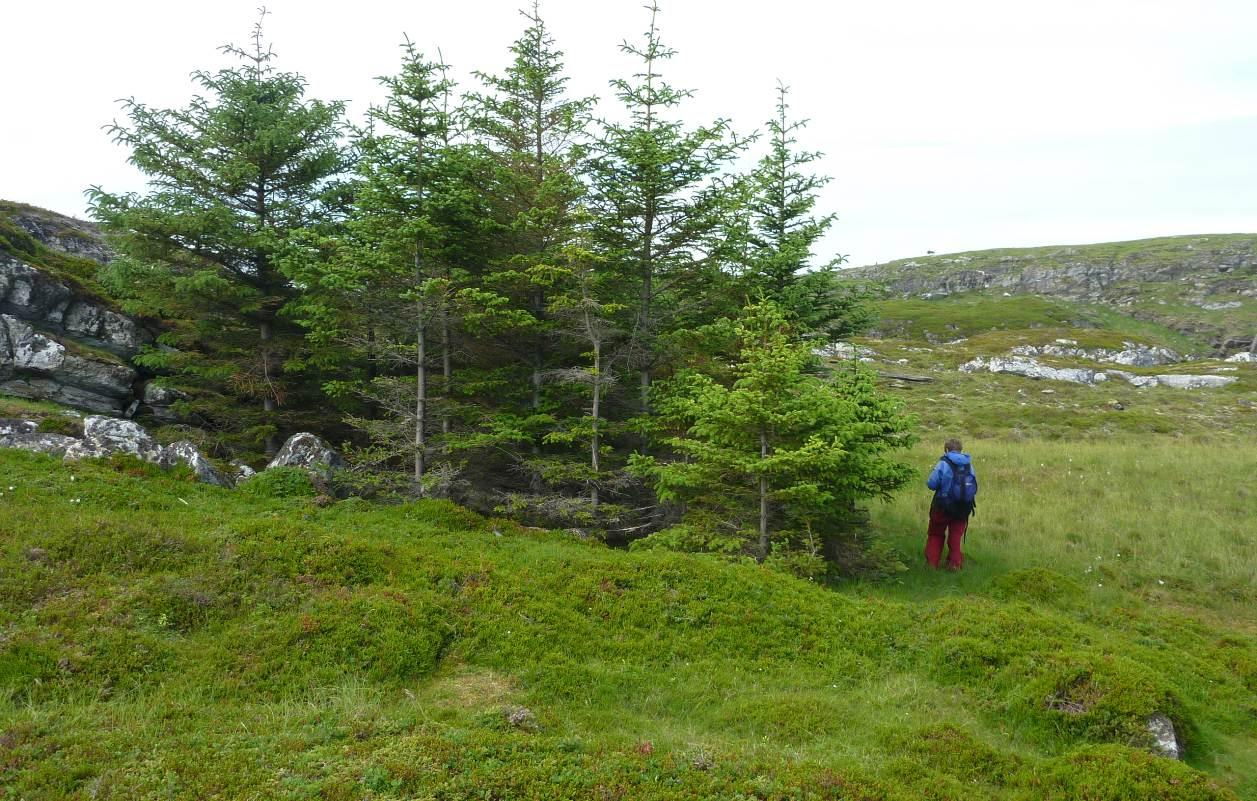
1019,319
163,639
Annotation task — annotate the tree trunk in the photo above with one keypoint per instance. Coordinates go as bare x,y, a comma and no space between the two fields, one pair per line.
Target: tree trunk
265,335
421,383
595,443
538,361
763,498
447,366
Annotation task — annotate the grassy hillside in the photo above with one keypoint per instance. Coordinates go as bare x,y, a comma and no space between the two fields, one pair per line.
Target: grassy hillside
163,639
1199,286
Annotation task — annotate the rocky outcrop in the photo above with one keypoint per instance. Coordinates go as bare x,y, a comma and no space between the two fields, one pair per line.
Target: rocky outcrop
33,295
307,451
59,341
107,436
34,365
65,234
1154,280
1030,368
1132,354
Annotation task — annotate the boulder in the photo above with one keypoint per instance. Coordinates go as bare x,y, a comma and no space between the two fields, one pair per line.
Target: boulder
38,442
158,400
105,436
1164,738
242,472
14,425
25,435
307,451
185,452
845,350
1246,357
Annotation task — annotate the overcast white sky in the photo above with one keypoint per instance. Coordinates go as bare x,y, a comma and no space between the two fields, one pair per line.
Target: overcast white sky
946,125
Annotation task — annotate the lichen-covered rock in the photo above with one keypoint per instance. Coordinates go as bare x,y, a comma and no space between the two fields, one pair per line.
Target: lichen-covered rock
34,365
15,425
105,436
1030,369
242,472
32,295
1164,738
38,442
1245,357
158,400
65,234
185,452
1132,354
307,451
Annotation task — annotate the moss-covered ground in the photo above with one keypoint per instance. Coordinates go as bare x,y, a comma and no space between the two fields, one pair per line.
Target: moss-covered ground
164,639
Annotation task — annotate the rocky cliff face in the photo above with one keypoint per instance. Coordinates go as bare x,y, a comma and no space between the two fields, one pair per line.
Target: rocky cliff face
58,340
1202,285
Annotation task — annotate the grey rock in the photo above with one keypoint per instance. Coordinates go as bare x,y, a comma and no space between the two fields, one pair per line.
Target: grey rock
34,365
185,452
844,350
158,401
1243,358
1030,369
105,436
36,297
1195,381
39,442
15,425
242,472
1164,737
65,234
308,451
1132,354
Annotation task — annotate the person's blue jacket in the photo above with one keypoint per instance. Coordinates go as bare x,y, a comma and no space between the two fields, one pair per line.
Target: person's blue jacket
941,476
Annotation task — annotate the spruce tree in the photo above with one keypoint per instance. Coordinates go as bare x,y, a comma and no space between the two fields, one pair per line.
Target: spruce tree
781,229
773,462
383,287
230,177
533,132
658,205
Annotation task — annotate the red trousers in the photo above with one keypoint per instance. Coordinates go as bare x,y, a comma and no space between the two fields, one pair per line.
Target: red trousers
951,528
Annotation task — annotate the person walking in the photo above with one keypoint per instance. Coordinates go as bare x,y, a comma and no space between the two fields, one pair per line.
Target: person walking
955,487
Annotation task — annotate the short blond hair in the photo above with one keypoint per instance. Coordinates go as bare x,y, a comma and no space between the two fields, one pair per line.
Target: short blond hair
953,445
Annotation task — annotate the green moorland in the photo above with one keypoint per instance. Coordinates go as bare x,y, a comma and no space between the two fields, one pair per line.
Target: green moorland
164,639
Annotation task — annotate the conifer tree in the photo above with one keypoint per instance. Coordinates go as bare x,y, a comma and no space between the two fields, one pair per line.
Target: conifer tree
658,204
230,177
775,461
533,133
781,230
383,287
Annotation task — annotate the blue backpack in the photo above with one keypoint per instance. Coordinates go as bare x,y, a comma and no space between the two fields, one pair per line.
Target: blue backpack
960,498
